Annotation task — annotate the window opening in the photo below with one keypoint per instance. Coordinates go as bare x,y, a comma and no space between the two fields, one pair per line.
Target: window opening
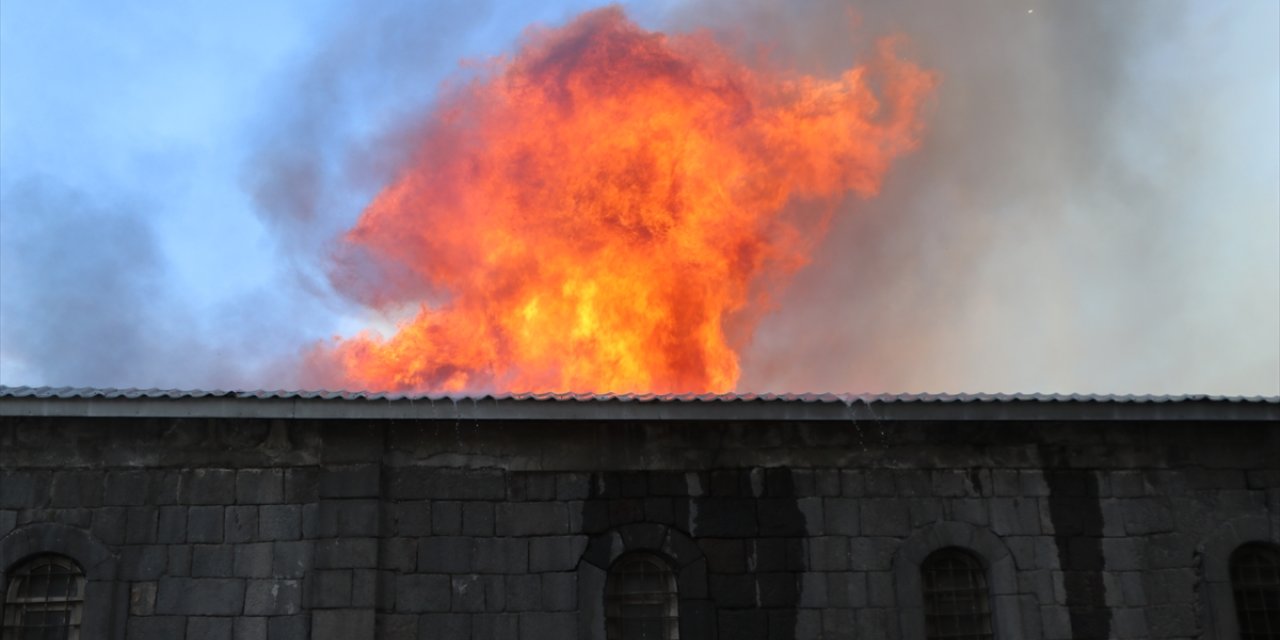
640,600
1255,583
956,605
44,600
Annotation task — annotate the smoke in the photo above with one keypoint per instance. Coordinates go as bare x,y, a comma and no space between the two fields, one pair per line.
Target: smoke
1093,206
1069,221
88,301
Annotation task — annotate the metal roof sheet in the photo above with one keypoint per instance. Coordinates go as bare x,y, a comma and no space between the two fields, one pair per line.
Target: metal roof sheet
82,401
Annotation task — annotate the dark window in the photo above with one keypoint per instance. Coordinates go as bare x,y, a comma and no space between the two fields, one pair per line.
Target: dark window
44,600
1255,581
640,599
955,596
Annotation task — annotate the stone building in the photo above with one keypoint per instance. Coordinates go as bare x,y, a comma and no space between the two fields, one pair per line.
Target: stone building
220,516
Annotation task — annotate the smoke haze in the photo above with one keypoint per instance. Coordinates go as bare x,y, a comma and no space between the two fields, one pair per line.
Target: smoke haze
1094,207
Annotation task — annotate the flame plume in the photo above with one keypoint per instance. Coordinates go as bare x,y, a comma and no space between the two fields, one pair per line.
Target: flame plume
602,211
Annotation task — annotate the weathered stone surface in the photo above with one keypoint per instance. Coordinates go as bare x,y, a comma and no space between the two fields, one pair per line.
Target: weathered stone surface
200,596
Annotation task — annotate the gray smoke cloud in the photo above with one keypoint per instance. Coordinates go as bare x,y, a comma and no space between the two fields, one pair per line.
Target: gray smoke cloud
1069,223
1078,218
88,301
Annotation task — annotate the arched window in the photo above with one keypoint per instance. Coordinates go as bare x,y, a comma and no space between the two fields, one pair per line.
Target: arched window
640,599
1255,583
44,600
955,596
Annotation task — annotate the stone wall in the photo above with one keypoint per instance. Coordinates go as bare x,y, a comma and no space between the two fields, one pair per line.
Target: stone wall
290,529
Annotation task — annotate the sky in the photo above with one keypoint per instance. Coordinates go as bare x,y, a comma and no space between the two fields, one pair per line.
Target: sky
1094,208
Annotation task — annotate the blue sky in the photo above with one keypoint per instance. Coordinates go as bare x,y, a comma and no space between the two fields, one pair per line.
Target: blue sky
1096,207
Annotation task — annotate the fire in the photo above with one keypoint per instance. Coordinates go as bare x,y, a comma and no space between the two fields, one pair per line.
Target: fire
606,210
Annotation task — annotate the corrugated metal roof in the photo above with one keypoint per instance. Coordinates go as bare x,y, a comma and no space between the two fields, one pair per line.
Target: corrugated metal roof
360,405
174,394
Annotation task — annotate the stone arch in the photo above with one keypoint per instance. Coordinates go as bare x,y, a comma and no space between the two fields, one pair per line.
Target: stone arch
104,603
1002,575
1217,602
697,615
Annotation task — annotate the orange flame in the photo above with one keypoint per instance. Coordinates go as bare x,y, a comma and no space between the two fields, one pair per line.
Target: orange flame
602,212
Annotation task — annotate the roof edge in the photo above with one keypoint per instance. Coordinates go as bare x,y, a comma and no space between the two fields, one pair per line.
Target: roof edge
153,403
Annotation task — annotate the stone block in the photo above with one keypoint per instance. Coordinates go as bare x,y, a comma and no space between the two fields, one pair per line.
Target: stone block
301,485
142,598
500,555
573,486
143,562
446,518
417,593
330,589
873,554
240,524
141,525
780,517
279,522
24,489
200,596
289,627
445,626
445,554
430,483
853,484
838,624
841,517
813,590
179,564
725,517
249,628
342,624
560,591
84,489
110,525
971,510
496,626
655,510
555,553
412,518
347,553
776,554
344,518
260,486
882,624
254,560
885,518
152,627
8,521
128,487
1015,516
291,559
212,561
477,519
880,589
1033,483
365,584
724,555
273,598
531,518
351,481
207,487
397,626
171,525
828,553
1143,516
204,628
468,594
541,625
523,592
204,524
